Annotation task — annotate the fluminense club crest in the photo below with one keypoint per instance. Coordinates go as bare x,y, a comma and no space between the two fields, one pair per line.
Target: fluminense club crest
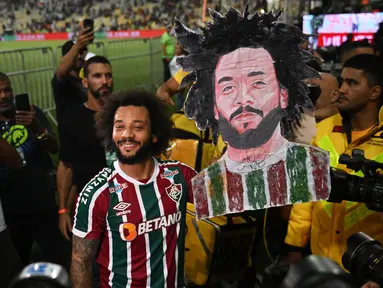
174,191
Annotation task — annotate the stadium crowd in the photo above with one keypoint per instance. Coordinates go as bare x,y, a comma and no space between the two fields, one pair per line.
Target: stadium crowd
93,122
43,16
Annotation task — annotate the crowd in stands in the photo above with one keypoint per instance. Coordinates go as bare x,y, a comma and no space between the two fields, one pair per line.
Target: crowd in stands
43,16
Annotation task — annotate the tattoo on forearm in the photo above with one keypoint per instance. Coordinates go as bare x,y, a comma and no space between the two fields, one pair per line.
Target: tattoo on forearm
81,274
85,247
83,253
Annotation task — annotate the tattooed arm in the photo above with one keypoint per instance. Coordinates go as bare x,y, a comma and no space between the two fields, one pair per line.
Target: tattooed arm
83,252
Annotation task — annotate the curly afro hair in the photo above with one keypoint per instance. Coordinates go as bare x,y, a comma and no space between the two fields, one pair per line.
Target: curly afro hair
234,30
161,123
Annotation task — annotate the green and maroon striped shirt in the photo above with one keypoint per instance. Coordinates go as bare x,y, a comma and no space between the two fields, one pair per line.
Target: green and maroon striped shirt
300,173
141,225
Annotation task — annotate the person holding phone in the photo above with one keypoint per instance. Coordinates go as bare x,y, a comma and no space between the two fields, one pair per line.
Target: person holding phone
28,193
67,84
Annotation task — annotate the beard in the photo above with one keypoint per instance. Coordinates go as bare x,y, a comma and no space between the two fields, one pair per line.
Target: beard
251,138
4,110
97,94
8,108
142,154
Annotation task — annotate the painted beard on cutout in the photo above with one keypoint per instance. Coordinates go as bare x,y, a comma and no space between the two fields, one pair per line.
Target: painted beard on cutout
251,138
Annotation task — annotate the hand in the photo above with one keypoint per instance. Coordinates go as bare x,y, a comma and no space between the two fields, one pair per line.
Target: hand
164,96
371,284
65,225
84,38
26,118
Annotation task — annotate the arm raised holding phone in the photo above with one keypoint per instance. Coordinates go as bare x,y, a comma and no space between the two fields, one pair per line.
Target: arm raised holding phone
77,53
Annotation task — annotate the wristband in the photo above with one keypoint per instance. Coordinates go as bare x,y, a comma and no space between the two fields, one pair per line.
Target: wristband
62,211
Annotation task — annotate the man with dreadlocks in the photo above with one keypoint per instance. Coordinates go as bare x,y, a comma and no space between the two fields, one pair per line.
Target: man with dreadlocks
246,73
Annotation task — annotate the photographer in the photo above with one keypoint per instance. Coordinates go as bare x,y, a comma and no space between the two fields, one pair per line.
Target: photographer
328,225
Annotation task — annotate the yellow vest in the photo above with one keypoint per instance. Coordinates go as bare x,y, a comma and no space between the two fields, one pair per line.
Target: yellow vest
328,225
190,145
218,149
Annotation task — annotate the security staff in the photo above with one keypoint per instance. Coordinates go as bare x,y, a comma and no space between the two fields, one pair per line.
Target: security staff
358,126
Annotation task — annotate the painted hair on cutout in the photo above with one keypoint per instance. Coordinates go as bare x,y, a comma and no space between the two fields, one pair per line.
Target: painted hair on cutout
234,30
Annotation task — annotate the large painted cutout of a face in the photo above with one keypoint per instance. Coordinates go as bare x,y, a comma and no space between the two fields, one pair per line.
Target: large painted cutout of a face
261,168
240,91
249,104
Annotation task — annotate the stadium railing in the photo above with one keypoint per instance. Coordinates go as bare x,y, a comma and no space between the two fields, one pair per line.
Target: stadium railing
136,64
30,71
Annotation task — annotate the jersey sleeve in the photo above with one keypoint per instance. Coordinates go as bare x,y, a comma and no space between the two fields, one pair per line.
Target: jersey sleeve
189,174
91,211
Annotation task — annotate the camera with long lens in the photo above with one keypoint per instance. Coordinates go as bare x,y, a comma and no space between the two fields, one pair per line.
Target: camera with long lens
363,258
42,275
367,189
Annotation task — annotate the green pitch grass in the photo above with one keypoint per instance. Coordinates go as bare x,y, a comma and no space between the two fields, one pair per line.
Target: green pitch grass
31,66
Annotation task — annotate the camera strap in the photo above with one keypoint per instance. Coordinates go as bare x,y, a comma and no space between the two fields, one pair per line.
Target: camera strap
347,127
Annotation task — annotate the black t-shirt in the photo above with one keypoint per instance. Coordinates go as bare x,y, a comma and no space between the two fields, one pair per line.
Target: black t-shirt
68,94
31,188
81,147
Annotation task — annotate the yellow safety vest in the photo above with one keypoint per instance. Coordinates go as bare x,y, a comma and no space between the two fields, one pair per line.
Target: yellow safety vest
190,145
328,225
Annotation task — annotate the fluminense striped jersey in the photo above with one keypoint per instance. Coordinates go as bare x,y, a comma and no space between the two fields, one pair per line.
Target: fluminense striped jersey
141,224
300,173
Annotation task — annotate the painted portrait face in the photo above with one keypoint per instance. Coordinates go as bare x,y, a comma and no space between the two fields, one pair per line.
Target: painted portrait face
249,101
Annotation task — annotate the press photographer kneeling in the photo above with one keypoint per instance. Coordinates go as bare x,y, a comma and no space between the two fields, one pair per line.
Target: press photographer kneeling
326,225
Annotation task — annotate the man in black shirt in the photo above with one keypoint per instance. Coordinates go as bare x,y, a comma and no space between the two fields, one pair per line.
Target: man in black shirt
28,195
66,84
81,153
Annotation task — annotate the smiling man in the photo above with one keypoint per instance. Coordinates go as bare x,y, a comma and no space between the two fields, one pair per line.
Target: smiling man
247,74
133,210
